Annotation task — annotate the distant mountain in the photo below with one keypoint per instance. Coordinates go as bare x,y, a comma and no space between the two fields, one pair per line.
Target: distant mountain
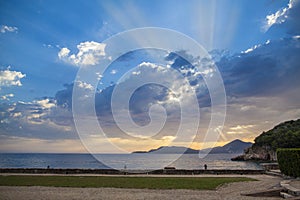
236,146
170,150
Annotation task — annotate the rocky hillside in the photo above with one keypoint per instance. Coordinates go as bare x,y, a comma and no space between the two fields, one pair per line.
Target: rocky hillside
284,135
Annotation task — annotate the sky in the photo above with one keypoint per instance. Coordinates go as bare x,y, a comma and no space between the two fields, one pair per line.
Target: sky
55,95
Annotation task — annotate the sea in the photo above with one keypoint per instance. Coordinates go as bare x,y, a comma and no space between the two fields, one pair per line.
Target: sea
122,161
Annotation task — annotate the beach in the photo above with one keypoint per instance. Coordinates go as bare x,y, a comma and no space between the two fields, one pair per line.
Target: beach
227,191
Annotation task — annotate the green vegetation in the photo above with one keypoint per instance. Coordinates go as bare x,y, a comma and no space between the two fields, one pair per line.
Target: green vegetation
284,135
195,183
289,161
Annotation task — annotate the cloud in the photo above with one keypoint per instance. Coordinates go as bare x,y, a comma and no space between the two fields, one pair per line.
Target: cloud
99,76
64,52
6,96
10,78
195,75
89,53
39,119
287,17
292,23
114,71
262,114
46,103
64,97
142,100
5,28
239,127
20,144
269,69
84,85
262,86
251,49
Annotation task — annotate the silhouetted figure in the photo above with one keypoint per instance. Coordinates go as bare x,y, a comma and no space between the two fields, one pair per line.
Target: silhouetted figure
205,166
125,167
48,167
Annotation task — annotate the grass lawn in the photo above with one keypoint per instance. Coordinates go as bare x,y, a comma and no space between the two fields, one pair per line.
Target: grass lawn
195,183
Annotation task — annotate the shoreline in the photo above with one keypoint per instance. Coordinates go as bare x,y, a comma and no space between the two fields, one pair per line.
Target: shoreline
130,172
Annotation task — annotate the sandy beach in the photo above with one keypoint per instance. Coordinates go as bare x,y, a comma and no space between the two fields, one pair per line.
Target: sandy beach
228,191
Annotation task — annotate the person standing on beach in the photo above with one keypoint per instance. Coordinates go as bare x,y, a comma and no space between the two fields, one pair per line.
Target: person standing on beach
205,167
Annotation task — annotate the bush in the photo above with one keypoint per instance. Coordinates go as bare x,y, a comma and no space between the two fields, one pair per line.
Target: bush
289,161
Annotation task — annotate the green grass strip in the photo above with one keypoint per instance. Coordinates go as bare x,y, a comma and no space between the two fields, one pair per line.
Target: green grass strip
194,183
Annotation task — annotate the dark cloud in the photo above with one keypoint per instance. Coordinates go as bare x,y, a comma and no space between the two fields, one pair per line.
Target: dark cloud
64,97
39,119
189,71
179,62
291,18
292,23
268,70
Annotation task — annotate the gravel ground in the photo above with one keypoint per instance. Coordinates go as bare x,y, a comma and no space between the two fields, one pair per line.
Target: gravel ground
229,191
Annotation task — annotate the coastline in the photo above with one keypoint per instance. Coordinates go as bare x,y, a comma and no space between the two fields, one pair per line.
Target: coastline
128,172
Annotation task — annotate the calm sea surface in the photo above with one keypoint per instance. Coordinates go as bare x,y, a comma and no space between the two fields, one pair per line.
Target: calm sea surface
119,161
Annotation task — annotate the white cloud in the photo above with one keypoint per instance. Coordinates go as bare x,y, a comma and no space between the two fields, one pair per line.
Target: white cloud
84,85
16,115
10,78
136,73
46,103
89,53
39,111
5,29
99,76
113,71
256,47
7,96
277,18
251,49
64,52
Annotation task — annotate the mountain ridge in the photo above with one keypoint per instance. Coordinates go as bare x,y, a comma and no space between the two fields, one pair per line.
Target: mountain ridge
235,146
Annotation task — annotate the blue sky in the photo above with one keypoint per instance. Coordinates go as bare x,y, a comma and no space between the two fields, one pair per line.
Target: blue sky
255,45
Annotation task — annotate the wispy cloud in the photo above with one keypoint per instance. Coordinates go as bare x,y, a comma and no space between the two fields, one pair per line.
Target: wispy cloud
5,28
